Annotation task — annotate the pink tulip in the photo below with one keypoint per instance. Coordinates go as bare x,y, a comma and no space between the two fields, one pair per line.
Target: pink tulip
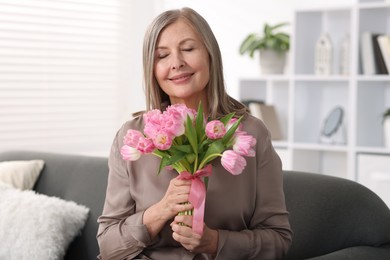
132,137
129,153
175,118
145,145
162,141
233,162
243,144
180,111
173,126
215,129
152,116
230,124
153,123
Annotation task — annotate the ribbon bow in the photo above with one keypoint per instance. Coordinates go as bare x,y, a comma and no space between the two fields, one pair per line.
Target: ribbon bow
197,195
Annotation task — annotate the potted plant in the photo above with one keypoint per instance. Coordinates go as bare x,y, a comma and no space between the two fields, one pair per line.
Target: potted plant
272,46
386,127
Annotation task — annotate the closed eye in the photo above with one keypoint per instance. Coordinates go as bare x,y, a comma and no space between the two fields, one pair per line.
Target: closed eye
161,55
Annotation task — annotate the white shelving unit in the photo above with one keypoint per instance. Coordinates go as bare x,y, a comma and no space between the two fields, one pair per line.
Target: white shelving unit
303,99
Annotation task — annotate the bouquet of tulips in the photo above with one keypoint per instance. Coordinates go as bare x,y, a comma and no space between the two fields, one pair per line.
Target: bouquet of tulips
186,142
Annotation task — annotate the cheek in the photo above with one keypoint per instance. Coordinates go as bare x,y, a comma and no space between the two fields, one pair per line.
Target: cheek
160,71
206,72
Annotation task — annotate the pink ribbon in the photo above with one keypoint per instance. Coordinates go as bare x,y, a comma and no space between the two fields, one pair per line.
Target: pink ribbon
197,195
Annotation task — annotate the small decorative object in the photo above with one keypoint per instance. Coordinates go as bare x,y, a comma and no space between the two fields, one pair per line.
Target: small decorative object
186,143
272,47
267,113
344,55
333,131
386,128
323,55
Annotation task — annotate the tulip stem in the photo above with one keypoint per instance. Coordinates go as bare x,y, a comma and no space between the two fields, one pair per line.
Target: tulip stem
206,160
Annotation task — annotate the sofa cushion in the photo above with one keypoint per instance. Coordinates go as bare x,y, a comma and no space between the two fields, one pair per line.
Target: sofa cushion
21,174
78,178
36,226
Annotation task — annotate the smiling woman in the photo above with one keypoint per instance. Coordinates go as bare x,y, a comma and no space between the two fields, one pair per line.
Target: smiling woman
182,64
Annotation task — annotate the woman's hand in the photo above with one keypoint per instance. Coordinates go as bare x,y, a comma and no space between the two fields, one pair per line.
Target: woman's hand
172,202
168,207
206,243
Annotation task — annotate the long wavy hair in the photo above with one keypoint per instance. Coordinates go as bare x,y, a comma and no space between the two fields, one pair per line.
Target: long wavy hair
220,103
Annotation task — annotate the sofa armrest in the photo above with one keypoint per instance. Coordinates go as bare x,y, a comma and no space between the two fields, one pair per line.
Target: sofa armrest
331,215
357,253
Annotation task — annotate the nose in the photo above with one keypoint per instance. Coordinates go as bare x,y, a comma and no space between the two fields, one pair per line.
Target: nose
177,61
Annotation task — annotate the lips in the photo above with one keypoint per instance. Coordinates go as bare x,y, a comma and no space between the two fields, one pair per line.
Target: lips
181,77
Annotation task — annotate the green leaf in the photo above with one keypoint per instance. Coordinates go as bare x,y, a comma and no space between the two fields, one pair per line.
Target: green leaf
204,144
186,148
191,134
190,158
276,26
163,163
247,43
177,156
226,118
199,121
214,150
270,39
231,132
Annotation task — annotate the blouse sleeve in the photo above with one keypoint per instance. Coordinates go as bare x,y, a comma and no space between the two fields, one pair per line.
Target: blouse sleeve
269,235
121,233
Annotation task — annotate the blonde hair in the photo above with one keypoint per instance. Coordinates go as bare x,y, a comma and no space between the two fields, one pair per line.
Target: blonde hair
220,103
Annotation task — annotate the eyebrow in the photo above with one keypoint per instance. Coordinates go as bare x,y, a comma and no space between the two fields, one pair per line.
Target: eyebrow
180,43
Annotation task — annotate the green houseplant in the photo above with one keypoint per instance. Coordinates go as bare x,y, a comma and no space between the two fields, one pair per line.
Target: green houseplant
272,45
386,114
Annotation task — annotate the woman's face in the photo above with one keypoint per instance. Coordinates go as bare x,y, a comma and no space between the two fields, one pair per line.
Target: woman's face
182,64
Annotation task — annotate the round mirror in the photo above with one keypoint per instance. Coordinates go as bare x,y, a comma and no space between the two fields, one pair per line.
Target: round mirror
333,121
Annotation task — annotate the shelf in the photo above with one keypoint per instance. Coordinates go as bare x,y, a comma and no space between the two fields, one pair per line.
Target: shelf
280,144
304,99
311,77
320,147
375,5
384,78
268,78
373,150
373,98
335,22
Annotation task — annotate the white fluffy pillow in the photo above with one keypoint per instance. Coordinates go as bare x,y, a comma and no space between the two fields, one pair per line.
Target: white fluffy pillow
21,174
36,226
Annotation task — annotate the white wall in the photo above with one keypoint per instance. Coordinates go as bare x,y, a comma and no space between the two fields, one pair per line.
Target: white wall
131,98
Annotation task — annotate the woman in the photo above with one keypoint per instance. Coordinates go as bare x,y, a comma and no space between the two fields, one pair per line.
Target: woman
245,215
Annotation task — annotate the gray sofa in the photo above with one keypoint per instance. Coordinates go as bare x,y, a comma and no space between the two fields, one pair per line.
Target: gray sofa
332,218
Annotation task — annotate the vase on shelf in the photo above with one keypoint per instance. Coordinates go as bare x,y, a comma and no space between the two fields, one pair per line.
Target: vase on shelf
272,62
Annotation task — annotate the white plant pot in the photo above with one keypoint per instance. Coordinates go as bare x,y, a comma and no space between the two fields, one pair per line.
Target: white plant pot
386,132
272,62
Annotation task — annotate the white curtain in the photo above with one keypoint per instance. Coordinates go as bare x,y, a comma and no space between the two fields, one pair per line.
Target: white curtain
61,72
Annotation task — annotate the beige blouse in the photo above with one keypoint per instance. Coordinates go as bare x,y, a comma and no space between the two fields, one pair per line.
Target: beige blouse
248,210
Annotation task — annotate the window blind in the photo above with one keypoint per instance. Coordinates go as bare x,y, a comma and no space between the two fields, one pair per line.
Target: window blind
60,64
